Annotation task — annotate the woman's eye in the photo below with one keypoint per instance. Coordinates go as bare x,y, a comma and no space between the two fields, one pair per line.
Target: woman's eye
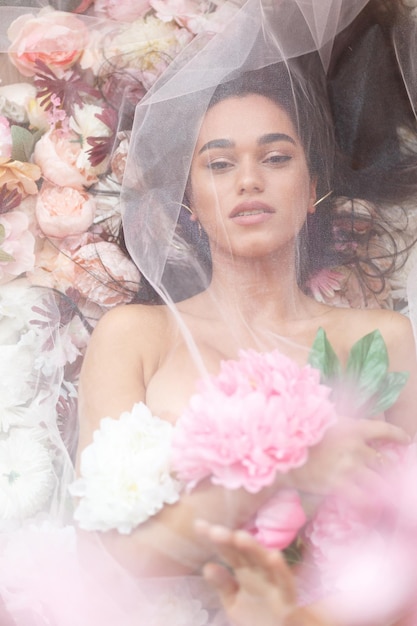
277,159
219,165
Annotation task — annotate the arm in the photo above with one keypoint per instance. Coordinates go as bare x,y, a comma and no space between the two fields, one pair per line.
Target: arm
126,350
255,585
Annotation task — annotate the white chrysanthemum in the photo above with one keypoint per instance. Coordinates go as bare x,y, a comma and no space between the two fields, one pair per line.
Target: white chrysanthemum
125,472
16,375
26,474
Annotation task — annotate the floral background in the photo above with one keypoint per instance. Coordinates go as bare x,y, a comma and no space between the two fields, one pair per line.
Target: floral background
70,81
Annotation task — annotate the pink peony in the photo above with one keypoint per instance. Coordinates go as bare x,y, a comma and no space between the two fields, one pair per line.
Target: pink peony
57,153
277,522
5,138
16,246
121,10
63,211
104,274
56,38
256,418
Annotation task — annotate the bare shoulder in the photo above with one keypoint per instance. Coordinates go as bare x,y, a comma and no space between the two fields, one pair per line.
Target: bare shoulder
123,353
398,335
355,323
129,320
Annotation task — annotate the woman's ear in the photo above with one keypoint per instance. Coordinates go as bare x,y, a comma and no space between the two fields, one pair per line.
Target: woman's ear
313,196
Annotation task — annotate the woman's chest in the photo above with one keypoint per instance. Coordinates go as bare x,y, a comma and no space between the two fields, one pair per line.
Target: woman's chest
176,379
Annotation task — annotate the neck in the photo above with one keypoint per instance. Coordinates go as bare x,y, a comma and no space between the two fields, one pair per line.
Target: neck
259,286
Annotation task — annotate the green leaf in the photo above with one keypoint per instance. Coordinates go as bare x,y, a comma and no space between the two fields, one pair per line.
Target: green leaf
389,391
365,387
323,357
23,143
367,364
5,257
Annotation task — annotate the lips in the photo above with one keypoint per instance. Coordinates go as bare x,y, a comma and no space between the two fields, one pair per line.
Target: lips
251,213
251,207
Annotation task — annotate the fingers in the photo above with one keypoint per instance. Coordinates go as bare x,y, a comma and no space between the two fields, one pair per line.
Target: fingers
373,430
223,581
254,567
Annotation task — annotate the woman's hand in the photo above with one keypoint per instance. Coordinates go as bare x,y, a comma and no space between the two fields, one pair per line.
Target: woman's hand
255,585
347,457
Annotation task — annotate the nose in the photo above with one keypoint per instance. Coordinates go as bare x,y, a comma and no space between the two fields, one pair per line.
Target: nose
249,178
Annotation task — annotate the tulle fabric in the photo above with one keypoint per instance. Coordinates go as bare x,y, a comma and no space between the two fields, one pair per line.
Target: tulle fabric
48,572
167,121
52,575
36,466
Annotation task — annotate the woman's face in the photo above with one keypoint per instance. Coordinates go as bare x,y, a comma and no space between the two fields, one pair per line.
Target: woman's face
250,186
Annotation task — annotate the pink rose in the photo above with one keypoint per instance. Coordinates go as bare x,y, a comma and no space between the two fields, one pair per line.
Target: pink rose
17,246
5,138
58,153
121,10
63,211
53,268
277,522
104,274
56,38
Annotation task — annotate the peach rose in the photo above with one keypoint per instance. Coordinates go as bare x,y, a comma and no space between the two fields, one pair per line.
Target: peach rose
56,38
19,175
63,211
104,274
57,153
17,246
53,268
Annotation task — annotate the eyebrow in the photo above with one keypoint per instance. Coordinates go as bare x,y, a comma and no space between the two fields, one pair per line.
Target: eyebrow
265,139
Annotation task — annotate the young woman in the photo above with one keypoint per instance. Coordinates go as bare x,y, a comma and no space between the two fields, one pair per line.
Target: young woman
251,186
241,158
232,179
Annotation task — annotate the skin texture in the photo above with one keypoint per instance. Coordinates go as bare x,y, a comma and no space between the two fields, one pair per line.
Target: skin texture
137,353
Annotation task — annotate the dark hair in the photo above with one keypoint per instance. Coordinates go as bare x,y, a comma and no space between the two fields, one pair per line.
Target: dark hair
299,88
348,121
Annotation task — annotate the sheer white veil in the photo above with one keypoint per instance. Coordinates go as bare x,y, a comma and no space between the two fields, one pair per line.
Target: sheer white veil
261,34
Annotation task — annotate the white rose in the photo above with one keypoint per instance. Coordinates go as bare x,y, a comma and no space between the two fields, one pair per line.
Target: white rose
15,101
85,123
